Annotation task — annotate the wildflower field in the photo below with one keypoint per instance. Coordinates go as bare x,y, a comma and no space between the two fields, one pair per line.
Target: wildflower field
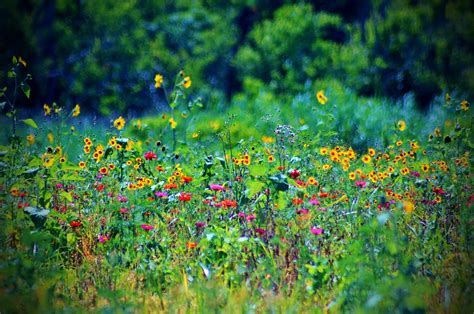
257,156
329,202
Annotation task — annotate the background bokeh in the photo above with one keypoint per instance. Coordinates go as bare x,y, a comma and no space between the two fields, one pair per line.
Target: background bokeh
104,54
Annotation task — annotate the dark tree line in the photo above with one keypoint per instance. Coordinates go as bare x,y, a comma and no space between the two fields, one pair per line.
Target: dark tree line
104,54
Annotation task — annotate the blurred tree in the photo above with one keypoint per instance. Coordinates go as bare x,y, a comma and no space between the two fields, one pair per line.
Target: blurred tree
104,54
298,46
421,46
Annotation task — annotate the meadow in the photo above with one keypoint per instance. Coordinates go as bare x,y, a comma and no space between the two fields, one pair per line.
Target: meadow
322,202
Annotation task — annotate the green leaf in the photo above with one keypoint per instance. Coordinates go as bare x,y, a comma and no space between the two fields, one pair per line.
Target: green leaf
30,122
2,104
31,171
254,187
72,177
14,60
26,89
70,238
257,170
66,195
281,200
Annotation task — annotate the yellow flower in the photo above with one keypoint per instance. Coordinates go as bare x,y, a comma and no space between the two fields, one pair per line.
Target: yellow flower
215,125
173,123
326,167
312,181
268,139
23,62
405,171
464,105
158,80
425,167
371,152
323,150
195,135
401,125
187,82
130,145
321,97
408,206
30,139
50,137
48,160
437,132
57,108
366,159
82,164
47,109
119,123
76,111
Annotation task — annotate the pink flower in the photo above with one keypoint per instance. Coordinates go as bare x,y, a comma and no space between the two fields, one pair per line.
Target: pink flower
150,156
314,201
302,211
123,210
216,187
316,231
260,231
241,215
415,174
161,194
122,199
250,217
361,184
200,224
103,238
146,227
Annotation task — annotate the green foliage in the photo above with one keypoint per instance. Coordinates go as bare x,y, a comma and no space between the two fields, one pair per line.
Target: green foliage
423,47
298,46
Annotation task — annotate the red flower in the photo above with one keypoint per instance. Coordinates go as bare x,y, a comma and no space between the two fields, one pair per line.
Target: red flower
229,203
323,194
297,201
187,179
185,197
150,156
170,186
75,223
294,174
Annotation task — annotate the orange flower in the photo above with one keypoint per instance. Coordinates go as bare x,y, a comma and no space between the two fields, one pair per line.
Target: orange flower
191,245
